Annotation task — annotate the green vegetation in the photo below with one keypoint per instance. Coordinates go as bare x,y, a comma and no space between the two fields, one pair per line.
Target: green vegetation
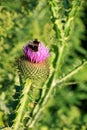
61,25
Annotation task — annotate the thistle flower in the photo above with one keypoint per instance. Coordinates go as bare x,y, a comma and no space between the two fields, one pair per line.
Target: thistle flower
34,64
36,52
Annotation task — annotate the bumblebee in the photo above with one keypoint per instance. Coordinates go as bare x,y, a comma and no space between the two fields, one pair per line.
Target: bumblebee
34,45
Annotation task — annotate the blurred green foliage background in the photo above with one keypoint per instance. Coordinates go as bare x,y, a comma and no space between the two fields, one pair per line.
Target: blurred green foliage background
24,20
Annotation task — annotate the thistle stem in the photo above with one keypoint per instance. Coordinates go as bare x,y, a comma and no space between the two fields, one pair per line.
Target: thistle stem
58,66
21,108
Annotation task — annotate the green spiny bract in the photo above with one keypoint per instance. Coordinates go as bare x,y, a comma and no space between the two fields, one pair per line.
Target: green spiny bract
36,72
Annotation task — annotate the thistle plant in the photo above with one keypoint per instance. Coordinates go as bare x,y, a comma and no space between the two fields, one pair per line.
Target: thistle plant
33,72
38,76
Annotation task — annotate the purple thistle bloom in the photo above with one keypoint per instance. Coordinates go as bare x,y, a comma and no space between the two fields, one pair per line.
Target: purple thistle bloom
36,55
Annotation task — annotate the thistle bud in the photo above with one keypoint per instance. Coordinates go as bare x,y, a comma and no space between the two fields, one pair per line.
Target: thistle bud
34,64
